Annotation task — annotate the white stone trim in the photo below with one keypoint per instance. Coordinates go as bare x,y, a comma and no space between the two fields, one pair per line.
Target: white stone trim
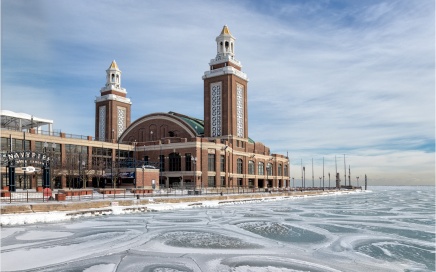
216,109
239,110
225,71
113,87
121,120
102,123
225,59
113,97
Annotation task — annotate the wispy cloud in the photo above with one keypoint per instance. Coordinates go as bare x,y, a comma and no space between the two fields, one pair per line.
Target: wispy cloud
326,77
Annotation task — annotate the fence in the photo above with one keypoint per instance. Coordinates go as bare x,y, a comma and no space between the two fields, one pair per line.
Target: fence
74,195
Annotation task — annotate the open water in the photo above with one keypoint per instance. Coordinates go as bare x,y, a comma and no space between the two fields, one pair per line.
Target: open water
385,229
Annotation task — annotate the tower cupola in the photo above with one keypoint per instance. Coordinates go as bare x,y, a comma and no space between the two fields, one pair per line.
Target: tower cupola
225,45
113,79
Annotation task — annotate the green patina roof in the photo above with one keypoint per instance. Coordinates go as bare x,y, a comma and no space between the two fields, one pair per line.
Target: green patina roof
196,124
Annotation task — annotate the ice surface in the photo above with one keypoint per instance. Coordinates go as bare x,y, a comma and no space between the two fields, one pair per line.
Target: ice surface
382,230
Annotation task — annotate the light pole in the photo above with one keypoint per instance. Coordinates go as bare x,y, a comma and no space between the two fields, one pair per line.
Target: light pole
267,170
293,183
45,182
357,181
83,173
329,180
143,167
194,162
320,182
304,177
134,165
160,164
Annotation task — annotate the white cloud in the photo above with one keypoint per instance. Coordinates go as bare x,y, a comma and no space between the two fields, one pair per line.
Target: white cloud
324,79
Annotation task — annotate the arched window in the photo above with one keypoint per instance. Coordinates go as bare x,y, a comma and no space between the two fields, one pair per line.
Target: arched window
240,168
113,78
286,170
175,162
260,169
280,170
118,78
251,167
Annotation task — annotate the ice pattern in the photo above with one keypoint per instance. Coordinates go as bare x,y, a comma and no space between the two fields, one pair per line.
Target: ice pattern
384,229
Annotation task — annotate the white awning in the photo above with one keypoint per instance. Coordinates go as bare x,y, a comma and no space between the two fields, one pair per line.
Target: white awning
19,121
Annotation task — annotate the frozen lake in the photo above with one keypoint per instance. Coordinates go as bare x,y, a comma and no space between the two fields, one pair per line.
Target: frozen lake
386,229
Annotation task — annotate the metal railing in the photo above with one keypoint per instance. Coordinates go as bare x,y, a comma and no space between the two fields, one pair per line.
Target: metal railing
28,196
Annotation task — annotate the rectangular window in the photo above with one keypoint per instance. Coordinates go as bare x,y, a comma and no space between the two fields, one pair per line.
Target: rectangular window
251,168
223,163
211,162
223,182
145,160
239,166
260,170
211,181
188,162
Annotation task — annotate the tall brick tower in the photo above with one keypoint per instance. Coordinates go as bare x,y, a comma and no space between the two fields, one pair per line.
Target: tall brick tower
112,108
225,92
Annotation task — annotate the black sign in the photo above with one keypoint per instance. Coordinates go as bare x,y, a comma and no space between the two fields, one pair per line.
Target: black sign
25,158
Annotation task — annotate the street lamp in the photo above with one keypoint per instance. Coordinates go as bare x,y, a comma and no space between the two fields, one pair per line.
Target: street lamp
320,182
304,177
143,167
48,164
357,181
194,162
267,170
81,166
293,183
329,180
134,160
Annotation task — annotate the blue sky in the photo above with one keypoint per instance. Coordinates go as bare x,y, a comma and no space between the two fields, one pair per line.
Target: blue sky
327,78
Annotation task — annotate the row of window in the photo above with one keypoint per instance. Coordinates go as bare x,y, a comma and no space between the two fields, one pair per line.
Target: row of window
174,158
175,165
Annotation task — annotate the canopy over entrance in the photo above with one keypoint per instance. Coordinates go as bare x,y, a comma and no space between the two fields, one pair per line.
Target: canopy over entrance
23,121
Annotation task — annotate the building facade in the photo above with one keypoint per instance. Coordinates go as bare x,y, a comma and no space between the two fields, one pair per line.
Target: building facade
213,152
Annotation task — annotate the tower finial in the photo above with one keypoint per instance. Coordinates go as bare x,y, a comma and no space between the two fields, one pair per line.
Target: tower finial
114,65
225,30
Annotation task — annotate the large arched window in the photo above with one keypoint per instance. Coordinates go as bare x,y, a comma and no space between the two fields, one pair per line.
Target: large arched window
286,170
251,167
175,162
240,166
280,170
260,168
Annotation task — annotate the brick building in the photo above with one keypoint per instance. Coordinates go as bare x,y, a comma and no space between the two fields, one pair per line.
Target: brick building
176,150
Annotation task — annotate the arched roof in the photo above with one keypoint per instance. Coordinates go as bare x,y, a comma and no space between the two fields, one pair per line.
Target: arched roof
196,124
192,127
